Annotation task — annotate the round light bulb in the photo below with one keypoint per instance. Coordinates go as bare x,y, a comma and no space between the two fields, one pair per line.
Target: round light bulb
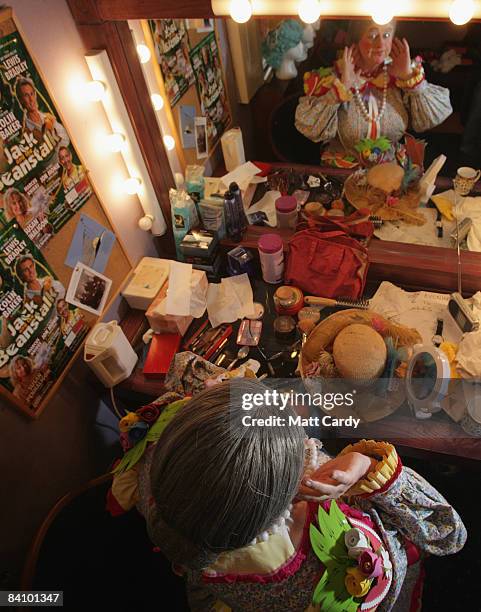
157,101
461,11
116,142
309,10
240,10
95,91
132,185
146,222
143,52
169,142
382,13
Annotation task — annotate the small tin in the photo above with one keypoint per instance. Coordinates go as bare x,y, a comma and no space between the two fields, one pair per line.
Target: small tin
284,327
288,300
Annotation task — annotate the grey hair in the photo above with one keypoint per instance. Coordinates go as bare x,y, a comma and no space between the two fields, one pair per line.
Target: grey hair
216,485
357,27
21,81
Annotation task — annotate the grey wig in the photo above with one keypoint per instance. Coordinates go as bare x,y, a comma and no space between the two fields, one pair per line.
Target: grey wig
216,484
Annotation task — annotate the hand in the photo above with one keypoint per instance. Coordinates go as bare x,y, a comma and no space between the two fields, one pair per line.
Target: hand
335,477
400,68
349,74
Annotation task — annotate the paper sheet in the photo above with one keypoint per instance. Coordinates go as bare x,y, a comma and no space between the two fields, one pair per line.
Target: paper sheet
229,300
243,175
179,292
418,309
427,234
268,205
468,207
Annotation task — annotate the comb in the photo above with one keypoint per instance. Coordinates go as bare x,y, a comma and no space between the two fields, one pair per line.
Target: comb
376,221
312,300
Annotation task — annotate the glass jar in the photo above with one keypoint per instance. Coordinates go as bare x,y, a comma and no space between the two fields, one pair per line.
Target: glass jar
286,209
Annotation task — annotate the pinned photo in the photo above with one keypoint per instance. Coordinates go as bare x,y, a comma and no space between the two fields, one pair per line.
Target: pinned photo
201,142
88,289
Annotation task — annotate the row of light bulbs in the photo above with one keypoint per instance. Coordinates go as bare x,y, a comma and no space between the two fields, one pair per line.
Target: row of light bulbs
95,91
460,11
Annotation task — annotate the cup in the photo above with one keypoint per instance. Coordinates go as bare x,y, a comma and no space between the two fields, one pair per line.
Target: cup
465,179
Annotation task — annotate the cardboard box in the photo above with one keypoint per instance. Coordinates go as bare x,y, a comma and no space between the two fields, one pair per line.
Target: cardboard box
163,323
149,276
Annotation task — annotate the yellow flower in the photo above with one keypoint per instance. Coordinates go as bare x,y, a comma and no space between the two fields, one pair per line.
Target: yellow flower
366,153
356,583
127,421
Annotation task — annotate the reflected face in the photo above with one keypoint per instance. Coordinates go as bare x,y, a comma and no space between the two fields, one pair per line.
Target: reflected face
22,369
62,309
17,204
376,43
27,271
28,97
65,158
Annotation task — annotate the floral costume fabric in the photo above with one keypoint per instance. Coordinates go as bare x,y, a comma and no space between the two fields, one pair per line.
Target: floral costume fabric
328,113
406,513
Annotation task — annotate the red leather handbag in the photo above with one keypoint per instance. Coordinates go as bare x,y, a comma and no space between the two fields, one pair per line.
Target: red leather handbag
324,260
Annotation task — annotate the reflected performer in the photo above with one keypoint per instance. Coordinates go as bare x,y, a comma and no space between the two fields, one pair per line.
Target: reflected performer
375,90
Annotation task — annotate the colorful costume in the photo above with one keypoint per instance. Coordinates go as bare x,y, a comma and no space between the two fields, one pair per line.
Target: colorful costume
381,106
388,521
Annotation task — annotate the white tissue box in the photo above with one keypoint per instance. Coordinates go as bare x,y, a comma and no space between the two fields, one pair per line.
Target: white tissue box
163,323
149,276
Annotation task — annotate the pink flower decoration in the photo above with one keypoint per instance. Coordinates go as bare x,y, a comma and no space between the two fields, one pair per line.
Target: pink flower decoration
378,325
370,564
125,442
392,201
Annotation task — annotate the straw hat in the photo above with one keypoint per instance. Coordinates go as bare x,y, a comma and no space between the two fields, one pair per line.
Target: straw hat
350,344
380,190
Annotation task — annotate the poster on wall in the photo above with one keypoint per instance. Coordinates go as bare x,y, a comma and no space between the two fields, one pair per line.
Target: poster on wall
42,182
205,60
39,331
172,51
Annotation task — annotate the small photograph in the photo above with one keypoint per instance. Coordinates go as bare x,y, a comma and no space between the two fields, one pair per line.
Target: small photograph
88,289
201,142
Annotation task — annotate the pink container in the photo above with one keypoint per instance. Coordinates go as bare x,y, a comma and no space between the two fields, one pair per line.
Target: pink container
286,209
271,255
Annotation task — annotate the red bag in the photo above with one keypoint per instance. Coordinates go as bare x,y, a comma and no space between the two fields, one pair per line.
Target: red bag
326,261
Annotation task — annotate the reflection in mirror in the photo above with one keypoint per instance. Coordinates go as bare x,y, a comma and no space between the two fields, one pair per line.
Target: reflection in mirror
373,105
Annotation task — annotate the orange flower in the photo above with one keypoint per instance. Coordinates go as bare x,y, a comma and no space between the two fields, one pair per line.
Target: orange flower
356,583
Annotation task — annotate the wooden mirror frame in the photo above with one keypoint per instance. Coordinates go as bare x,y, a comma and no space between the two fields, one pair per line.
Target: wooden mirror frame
102,24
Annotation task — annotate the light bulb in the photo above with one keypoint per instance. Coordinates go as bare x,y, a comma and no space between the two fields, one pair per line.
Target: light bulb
132,185
461,11
240,10
115,142
95,91
143,52
309,10
157,101
169,142
381,12
146,222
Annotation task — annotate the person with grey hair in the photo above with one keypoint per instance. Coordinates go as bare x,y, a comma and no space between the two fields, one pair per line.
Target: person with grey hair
247,514
34,286
375,90
34,119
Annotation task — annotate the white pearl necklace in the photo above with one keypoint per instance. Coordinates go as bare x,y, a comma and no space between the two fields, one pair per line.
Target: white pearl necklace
361,105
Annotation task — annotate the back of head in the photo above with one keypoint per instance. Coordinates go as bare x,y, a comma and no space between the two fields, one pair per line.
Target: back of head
217,484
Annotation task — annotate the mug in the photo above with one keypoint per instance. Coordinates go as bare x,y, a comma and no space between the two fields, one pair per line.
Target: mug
465,179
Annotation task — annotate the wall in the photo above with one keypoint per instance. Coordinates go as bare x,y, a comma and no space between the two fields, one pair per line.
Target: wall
42,460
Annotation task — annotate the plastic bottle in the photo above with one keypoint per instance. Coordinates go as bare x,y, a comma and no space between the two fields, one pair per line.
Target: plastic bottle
286,210
271,255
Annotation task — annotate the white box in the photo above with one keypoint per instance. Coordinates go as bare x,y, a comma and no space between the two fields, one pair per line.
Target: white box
149,276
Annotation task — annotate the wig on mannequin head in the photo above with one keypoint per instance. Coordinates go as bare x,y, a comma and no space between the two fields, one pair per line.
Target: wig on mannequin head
217,484
286,35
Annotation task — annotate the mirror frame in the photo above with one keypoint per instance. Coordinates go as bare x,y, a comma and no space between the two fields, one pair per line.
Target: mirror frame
102,24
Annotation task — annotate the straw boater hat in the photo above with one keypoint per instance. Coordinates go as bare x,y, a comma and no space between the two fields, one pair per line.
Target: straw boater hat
351,345
388,191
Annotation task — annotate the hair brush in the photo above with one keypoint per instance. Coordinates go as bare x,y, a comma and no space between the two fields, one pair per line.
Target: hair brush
340,302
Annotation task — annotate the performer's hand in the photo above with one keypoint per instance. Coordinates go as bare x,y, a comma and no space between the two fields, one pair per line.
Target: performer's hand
334,478
400,68
47,283
49,122
349,74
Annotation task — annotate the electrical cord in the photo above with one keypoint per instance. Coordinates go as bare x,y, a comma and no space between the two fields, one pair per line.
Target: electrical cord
114,405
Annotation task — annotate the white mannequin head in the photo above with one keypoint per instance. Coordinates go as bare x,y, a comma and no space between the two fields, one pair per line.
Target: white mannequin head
308,36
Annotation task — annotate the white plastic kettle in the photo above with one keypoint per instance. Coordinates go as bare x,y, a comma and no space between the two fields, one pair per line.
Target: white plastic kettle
109,354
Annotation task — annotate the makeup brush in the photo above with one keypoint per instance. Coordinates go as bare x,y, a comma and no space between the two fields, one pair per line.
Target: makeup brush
340,302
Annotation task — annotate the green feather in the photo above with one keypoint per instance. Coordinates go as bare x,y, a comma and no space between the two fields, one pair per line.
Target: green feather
133,456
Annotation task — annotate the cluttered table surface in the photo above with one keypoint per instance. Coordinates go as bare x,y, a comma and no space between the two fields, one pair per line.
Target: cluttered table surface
437,438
